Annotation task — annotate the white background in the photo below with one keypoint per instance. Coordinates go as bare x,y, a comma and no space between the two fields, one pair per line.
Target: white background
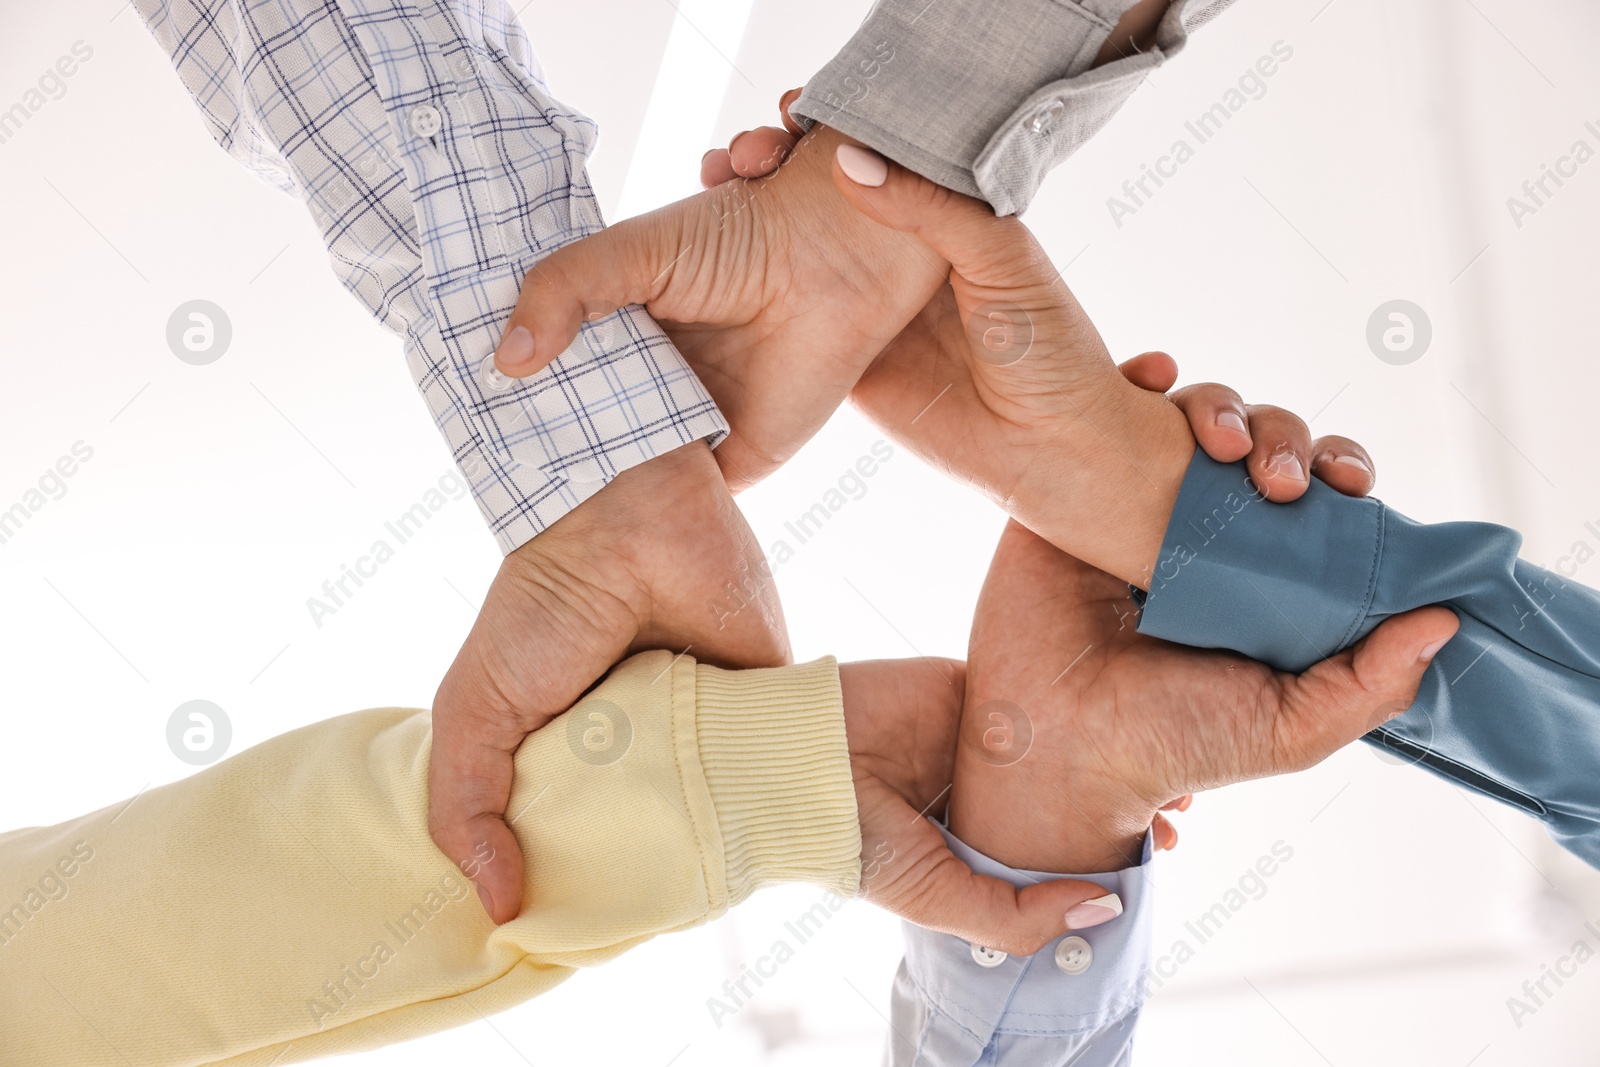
1377,165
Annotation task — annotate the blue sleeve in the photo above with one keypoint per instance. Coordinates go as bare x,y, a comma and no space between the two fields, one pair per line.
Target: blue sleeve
956,1005
1511,706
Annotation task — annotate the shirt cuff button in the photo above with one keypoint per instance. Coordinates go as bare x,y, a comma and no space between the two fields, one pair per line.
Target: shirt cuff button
491,377
1073,955
987,957
426,120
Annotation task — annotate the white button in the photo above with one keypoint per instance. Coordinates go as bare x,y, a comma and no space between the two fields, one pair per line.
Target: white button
493,380
1045,117
987,957
426,120
1074,955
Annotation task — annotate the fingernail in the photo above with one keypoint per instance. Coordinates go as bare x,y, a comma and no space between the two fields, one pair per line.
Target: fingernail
1357,462
735,140
707,155
1287,465
516,349
861,166
483,895
1231,420
1433,650
1094,912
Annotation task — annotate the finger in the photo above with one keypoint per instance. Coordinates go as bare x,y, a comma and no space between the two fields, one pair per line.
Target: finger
1343,464
716,168
1216,414
1181,804
985,250
1164,834
623,264
757,153
469,786
1280,453
1153,371
989,912
1341,698
784,103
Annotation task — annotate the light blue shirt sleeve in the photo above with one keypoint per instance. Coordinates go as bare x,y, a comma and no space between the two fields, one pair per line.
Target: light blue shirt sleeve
1076,1001
1510,708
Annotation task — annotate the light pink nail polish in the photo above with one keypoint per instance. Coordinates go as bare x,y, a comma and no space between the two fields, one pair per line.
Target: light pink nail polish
516,349
861,166
1231,420
1094,912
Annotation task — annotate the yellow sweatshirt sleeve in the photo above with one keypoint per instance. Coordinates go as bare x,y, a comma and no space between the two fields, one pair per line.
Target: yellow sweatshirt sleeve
288,903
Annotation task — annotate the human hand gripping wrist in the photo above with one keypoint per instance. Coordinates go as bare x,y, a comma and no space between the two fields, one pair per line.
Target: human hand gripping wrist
901,719
1078,730
659,558
777,292
978,390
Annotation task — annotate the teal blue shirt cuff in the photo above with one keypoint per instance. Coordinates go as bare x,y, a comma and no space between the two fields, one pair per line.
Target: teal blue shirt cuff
1510,708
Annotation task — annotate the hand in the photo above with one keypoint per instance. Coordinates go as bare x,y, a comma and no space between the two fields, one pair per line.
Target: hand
1276,443
902,718
777,291
660,558
1118,724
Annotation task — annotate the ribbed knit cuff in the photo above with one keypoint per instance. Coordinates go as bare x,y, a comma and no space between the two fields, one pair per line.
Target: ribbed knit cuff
773,752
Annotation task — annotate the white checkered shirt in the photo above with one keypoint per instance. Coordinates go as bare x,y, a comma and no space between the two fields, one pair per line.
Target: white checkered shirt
439,169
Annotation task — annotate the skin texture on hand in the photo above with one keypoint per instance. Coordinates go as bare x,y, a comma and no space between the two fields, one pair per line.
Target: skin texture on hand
1276,444
1077,729
776,290
660,558
901,718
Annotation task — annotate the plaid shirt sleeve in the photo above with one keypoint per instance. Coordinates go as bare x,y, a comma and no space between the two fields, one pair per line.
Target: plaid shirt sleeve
439,169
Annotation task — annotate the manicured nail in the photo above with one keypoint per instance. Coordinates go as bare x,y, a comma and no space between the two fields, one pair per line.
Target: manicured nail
861,166
1357,462
488,901
516,349
1094,912
1433,650
1231,420
1287,465
735,141
707,155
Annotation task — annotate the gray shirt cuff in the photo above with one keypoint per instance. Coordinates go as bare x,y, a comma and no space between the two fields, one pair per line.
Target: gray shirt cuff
985,97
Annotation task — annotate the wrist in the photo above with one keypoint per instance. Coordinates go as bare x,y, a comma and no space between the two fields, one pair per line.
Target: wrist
1048,827
1102,484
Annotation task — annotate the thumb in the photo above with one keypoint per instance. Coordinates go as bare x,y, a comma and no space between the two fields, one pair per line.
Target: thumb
1390,662
913,874
588,279
1377,680
995,915
985,249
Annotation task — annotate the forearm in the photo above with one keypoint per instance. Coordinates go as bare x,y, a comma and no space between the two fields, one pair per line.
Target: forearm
288,903
1102,485
1510,707
986,98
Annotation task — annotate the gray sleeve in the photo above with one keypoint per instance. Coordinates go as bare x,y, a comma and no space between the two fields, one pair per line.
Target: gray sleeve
986,96
1510,708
